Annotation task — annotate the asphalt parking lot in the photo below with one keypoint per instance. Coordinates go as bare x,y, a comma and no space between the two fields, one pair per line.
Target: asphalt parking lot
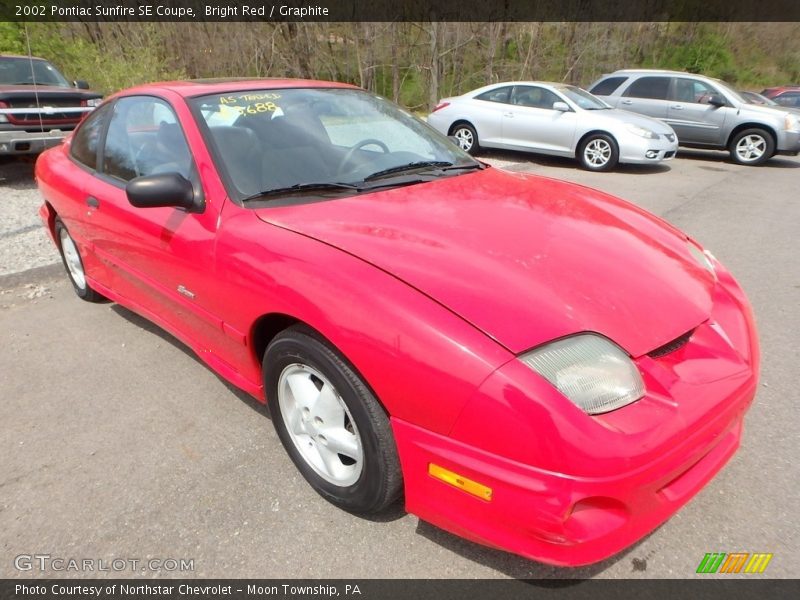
116,442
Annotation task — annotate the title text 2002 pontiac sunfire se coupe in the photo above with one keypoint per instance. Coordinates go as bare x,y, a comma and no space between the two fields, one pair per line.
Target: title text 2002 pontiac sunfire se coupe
534,365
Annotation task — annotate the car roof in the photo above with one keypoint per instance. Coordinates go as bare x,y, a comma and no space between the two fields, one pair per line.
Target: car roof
203,87
5,55
529,82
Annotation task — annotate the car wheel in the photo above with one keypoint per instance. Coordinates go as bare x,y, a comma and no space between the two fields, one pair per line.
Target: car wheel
74,264
598,152
752,147
334,429
467,138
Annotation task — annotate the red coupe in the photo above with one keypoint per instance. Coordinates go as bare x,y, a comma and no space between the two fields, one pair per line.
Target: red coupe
531,364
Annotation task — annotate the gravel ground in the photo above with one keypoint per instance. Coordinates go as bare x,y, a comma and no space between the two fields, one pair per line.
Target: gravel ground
23,241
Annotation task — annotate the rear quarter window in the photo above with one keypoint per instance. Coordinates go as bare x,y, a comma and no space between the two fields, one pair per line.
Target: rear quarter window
498,95
607,86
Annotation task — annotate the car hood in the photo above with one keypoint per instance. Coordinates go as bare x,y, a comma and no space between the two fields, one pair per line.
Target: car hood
525,259
775,112
46,91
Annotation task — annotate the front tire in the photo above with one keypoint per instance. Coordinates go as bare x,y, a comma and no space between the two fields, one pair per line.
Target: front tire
598,152
73,263
330,423
467,138
752,147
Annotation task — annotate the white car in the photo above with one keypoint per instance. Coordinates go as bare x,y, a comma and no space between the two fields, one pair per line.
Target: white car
553,118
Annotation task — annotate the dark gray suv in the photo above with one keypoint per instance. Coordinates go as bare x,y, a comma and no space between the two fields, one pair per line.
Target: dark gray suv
704,112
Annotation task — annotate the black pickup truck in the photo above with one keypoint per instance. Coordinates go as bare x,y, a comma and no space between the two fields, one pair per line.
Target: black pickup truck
38,106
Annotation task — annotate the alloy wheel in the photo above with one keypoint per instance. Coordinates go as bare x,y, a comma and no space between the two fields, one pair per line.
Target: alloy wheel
597,152
72,259
320,424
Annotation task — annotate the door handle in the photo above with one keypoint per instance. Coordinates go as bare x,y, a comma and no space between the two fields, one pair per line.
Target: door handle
92,202
508,114
627,102
677,106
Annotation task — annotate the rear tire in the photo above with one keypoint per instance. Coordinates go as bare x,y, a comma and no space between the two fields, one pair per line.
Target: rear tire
73,264
752,147
330,423
598,152
467,138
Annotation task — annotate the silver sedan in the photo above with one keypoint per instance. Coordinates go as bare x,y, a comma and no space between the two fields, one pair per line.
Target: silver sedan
553,118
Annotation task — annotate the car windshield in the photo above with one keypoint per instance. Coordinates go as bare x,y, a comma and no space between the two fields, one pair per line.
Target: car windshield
582,98
23,71
321,141
728,88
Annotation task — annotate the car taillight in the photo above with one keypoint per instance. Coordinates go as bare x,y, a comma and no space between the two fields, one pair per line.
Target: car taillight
440,106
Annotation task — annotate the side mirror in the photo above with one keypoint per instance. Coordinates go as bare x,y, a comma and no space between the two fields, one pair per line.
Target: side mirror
561,106
80,84
163,189
716,100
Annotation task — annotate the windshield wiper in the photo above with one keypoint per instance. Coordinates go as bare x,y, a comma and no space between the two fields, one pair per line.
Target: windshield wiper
408,167
468,167
302,187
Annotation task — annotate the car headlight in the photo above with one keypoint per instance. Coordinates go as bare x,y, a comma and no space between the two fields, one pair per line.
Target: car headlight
703,257
590,370
641,131
94,102
791,123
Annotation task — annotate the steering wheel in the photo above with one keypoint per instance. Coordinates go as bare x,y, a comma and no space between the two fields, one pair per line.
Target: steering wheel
363,143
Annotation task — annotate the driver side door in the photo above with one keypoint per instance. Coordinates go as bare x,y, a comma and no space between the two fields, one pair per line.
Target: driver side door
160,259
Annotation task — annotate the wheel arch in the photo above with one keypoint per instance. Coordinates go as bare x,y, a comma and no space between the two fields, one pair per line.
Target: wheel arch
750,125
458,122
264,330
592,132
268,326
49,215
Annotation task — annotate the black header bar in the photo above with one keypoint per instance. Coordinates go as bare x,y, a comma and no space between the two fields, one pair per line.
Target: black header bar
399,10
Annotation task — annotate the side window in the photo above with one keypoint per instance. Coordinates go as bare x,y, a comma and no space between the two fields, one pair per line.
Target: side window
691,90
86,140
534,97
607,86
498,95
655,88
144,138
788,99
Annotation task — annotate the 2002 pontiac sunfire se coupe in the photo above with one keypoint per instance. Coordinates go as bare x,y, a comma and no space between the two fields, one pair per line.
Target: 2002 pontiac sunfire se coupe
534,365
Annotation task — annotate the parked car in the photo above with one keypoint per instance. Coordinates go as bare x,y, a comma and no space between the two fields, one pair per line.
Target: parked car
755,98
788,95
38,106
704,112
532,364
552,118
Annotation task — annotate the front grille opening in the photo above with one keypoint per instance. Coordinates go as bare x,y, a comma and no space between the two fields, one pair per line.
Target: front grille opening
672,346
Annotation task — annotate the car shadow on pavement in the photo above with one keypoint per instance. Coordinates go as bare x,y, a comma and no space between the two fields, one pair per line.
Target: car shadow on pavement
723,157
539,574
525,161
150,327
17,171
393,513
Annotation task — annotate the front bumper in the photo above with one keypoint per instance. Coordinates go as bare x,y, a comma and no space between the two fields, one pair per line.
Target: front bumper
569,489
637,150
22,142
556,518
788,143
